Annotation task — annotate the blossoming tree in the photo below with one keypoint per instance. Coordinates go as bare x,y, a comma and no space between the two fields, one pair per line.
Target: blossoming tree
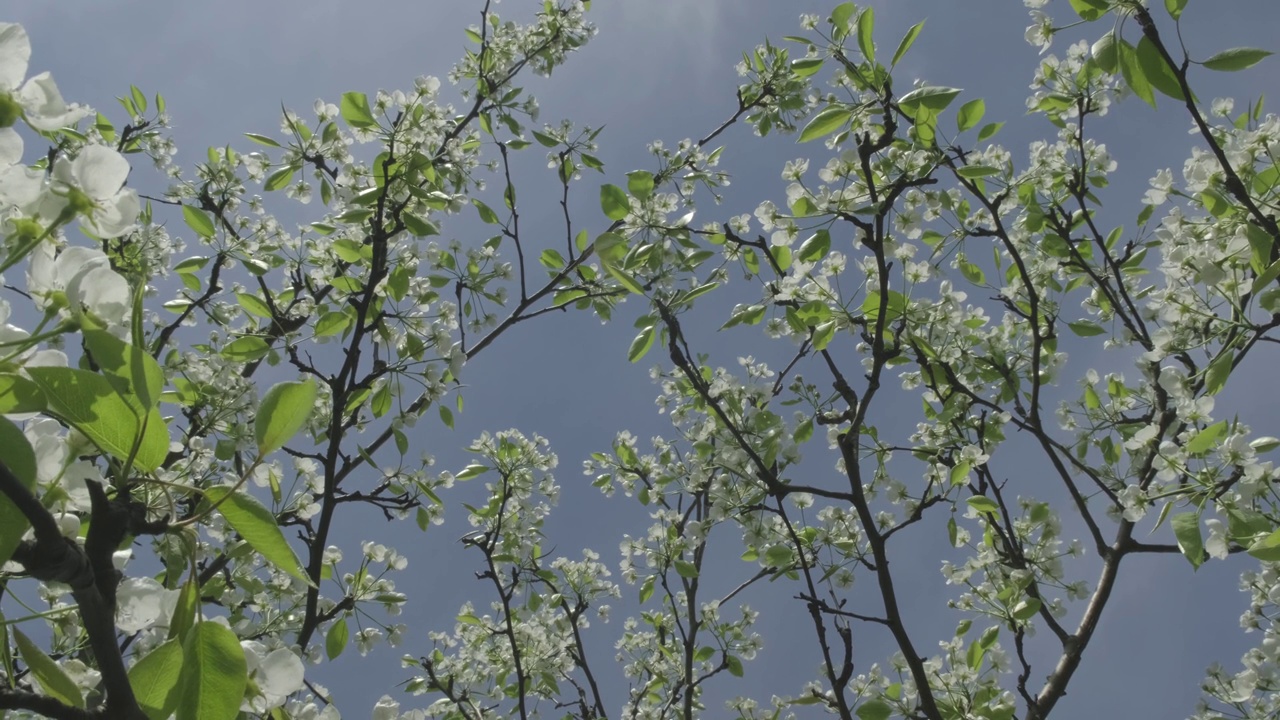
175,446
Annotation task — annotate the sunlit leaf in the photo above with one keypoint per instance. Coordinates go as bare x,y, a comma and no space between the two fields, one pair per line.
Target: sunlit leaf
355,110
255,523
1236,59
214,674
907,41
824,123
1186,529
113,421
284,410
52,678
155,680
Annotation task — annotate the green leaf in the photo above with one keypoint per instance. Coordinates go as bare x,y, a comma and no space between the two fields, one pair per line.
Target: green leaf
686,569
551,259
283,411
933,99
624,278
381,403
1090,9
640,183
355,110
1133,73
255,523
139,99
262,139
866,33
804,431
1175,7
816,247
331,323
983,504
1259,283
52,678
972,273
20,395
614,202
154,679
989,130
253,305
1157,71
130,369
907,41
1218,372
472,470
184,612
971,114
214,674
804,67
873,710
279,178
21,461
646,589
823,333
959,474
486,213
1086,328
1186,528
734,665
335,641
840,18
824,123
90,403
245,349
1203,441
1267,547
198,220
1265,443
641,344
1236,59
780,556
1106,54
1026,609
419,226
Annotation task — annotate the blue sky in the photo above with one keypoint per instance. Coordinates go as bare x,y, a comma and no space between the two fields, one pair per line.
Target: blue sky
663,69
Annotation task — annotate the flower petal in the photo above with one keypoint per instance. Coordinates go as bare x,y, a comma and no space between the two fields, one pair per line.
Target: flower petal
44,106
100,171
116,215
282,673
15,53
74,261
138,604
20,186
102,293
10,147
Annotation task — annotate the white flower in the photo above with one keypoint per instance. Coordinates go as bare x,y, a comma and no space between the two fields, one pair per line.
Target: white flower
139,604
277,675
1161,185
38,99
80,279
92,185
19,185
386,709
1216,543
1040,32
10,147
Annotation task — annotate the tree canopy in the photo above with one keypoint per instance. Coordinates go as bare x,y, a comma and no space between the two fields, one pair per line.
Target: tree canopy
962,356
